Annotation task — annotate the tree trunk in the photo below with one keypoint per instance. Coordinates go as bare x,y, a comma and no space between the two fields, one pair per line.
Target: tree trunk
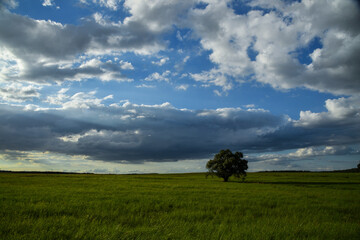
226,179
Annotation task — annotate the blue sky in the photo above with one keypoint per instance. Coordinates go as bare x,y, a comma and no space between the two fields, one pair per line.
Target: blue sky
114,86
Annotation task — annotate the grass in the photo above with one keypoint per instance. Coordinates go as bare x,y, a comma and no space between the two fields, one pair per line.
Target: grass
180,206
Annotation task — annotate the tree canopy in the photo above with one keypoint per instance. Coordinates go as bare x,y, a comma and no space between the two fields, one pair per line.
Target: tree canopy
225,164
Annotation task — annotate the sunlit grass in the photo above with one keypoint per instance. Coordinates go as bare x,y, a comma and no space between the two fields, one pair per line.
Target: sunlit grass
180,206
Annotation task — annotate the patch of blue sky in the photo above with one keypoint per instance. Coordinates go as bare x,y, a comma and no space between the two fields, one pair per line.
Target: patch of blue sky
243,7
263,96
251,52
69,12
303,54
201,5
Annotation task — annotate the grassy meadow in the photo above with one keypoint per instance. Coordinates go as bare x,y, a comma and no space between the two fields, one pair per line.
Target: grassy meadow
179,206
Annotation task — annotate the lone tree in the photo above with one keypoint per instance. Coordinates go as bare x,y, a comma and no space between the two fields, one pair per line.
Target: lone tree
225,164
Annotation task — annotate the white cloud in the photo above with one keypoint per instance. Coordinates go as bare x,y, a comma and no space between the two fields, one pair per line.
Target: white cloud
186,59
161,62
249,106
80,100
158,16
340,111
302,154
277,35
214,77
145,86
38,59
182,87
47,3
159,77
126,65
277,31
178,36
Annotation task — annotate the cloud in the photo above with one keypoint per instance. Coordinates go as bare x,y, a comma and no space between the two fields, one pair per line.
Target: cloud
159,77
340,112
80,100
126,65
303,154
213,77
182,87
338,126
161,62
130,132
17,92
277,32
272,43
8,3
145,86
49,3
83,124
13,155
30,42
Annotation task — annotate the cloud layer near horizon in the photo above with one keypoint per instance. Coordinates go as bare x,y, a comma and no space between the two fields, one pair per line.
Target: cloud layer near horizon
126,132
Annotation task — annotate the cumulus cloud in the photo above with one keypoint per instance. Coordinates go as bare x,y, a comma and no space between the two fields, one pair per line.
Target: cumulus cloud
38,59
268,43
49,3
339,125
182,87
213,77
161,62
276,32
17,92
340,112
80,100
303,154
159,77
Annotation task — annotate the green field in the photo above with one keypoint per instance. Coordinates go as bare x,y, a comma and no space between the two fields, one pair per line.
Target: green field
179,206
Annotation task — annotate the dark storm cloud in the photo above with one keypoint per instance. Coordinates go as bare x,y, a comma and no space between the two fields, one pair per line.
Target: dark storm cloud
34,130
133,133
13,155
137,133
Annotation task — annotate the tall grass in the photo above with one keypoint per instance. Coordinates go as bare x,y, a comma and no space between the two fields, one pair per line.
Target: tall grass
180,206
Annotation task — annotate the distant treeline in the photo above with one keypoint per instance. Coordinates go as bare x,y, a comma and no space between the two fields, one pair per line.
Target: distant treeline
346,170
42,172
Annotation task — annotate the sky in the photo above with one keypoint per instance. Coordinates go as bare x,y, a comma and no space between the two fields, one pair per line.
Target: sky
145,86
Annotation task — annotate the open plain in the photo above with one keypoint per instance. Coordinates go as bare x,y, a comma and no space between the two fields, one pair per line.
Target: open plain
269,205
